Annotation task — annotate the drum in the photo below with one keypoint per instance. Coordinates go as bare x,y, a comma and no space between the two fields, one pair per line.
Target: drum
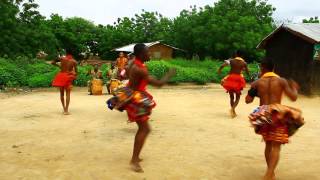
114,85
97,87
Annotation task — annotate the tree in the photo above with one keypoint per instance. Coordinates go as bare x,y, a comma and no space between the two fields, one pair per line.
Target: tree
311,20
75,33
23,29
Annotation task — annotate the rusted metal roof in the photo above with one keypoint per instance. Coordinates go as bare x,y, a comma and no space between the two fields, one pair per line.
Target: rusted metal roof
129,48
307,31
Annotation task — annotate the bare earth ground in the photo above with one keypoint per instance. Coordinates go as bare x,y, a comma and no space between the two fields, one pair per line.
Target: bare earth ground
192,138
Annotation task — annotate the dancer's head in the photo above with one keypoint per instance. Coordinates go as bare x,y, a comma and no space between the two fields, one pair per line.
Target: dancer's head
69,51
266,65
238,53
141,51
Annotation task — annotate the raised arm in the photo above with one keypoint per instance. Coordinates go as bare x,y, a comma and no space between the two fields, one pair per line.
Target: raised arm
246,68
164,80
226,63
290,89
76,67
54,62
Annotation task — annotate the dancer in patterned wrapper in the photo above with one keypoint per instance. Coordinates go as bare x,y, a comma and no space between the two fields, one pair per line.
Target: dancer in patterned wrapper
275,122
137,101
234,82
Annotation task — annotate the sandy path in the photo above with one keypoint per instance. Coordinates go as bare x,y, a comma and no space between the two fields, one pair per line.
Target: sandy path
192,138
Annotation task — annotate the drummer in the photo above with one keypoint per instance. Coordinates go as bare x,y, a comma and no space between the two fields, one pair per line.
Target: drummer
112,74
95,74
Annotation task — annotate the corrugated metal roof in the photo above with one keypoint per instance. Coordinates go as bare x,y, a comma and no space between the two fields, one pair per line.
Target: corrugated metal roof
129,48
307,31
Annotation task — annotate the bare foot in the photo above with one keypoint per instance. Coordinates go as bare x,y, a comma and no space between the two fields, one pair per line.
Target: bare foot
233,113
66,113
135,166
269,177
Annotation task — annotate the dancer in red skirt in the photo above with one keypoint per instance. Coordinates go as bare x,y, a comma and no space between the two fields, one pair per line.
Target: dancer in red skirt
137,101
234,82
64,79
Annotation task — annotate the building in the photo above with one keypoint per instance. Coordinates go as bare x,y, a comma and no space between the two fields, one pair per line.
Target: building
295,50
158,50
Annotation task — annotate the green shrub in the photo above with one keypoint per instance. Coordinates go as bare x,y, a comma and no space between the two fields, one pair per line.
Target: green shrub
82,77
11,75
41,80
35,73
199,72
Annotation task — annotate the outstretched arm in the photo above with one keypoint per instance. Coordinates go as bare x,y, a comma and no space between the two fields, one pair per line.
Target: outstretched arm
246,68
291,89
226,63
158,83
76,67
252,93
54,62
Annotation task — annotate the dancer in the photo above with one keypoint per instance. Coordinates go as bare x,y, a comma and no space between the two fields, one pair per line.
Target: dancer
63,80
275,122
137,101
112,76
121,62
234,82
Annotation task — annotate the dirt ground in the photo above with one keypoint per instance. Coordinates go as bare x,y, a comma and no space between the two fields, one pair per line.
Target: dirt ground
192,138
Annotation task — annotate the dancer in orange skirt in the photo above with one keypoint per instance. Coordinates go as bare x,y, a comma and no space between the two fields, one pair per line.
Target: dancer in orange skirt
234,82
137,101
275,122
64,79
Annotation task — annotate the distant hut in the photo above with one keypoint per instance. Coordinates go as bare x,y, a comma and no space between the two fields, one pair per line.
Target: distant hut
295,50
158,50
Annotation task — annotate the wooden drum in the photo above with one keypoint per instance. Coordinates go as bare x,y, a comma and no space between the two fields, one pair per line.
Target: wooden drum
97,86
114,85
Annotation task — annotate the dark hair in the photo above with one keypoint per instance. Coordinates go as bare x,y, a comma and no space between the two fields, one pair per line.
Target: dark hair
69,51
267,64
138,49
238,53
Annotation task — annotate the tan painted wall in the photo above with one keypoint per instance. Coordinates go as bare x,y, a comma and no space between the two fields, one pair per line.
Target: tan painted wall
160,51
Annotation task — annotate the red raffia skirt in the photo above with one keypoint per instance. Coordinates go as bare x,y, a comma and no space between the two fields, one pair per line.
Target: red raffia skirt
234,83
64,80
276,122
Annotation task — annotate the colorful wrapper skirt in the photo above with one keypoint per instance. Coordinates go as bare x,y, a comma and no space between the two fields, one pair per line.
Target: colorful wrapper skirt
234,83
137,104
63,79
276,122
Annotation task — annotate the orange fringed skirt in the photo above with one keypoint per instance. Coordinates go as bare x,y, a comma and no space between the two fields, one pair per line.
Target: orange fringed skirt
234,83
64,80
276,122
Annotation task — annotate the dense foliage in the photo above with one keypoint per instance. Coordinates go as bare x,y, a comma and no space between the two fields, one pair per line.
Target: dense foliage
213,31
311,20
35,73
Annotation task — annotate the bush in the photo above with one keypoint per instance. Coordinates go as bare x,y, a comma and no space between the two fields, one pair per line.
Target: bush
199,72
41,80
36,73
11,75
82,77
